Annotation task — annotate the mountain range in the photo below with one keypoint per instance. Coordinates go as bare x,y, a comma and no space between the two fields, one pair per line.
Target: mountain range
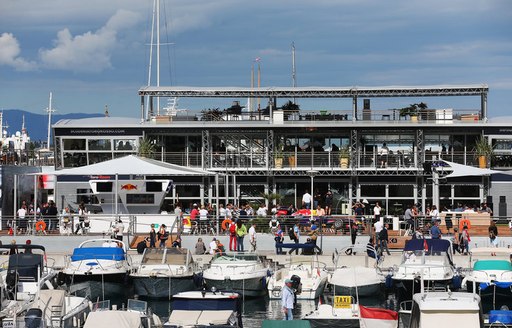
36,124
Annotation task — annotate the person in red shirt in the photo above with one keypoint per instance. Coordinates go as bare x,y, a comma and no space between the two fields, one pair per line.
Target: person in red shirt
194,213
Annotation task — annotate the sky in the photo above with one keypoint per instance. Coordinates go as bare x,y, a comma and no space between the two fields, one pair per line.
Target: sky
95,53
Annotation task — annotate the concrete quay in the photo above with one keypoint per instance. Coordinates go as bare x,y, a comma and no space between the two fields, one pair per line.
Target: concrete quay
58,247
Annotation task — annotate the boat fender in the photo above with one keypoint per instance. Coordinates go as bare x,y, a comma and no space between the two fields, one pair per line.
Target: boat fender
389,281
198,279
48,284
456,282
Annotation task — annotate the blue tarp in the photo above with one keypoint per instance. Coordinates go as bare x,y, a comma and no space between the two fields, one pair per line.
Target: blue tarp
500,284
436,245
98,253
503,316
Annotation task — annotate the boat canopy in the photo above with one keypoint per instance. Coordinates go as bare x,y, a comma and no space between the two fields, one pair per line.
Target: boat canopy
434,245
98,253
118,319
492,265
26,264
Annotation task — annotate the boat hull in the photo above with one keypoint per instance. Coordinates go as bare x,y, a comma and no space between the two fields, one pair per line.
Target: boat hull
362,291
405,288
328,323
162,287
252,287
97,286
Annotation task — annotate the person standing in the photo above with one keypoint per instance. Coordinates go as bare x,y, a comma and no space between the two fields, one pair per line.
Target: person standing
22,223
119,229
163,235
353,232
328,202
179,214
383,240
279,238
384,151
296,234
232,236
213,246
376,212
203,219
306,200
152,237
287,299
465,239
435,232
241,231
52,213
493,228
252,236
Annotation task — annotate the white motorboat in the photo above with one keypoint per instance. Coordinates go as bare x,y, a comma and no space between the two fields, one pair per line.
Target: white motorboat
441,309
345,313
490,274
27,272
312,278
430,259
202,308
136,315
27,294
164,272
363,280
97,267
243,273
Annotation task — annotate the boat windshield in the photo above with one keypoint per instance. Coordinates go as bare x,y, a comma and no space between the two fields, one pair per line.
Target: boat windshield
237,257
424,257
172,256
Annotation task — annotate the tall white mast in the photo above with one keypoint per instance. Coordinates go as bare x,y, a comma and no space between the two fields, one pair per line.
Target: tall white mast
158,54
294,76
50,110
151,55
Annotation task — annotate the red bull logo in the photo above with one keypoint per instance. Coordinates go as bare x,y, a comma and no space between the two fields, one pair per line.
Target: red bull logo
128,186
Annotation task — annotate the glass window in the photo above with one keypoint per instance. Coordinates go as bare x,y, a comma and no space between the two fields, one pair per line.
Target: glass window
373,191
467,191
74,144
99,157
140,198
187,191
75,159
100,144
445,191
401,191
125,144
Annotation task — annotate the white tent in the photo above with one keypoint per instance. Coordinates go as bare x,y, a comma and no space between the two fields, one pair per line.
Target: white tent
460,170
132,165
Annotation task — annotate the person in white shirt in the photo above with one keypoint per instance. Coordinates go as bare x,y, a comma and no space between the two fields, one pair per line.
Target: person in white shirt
22,223
378,227
213,246
252,236
119,229
376,211
384,151
306,200
262,211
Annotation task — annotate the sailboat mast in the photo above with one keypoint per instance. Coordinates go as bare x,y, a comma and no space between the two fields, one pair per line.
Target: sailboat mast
150,58
158,54
294,76
50,110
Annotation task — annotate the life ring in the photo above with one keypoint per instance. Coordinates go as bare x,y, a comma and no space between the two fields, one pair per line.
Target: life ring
40,226
186,222
225,224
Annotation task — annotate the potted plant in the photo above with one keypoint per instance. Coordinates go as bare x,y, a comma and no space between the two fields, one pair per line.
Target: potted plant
483,151
344,157
146,148
412,111
278,157
290,152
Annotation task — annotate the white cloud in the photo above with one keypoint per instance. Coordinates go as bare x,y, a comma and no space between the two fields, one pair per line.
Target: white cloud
10,51
90,51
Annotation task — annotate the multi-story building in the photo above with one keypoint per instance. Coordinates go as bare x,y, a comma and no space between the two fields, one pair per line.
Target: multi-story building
381,155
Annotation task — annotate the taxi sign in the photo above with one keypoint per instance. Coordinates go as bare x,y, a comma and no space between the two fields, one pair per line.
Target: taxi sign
342,302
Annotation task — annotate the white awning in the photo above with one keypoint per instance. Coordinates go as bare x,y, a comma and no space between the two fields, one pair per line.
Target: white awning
461,170
131,165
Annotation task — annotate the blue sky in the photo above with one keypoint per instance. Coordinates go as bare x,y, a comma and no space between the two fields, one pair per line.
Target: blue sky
94,53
